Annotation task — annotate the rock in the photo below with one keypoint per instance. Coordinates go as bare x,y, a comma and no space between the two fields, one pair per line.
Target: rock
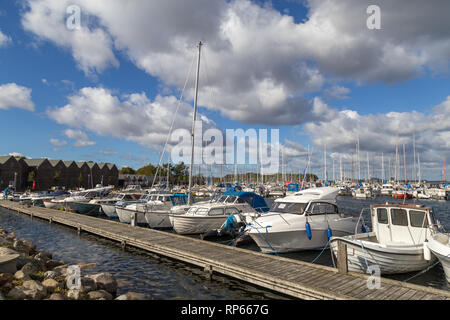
4,242
20,275
30,245
11,236
5,278
33,294
51,274
73,294
105,281
20,246
100,294
17,293
44,254
62,270
88,284
6,251
34,289
134,296
7,287
51,284
21,261
57,296
8,263
32,267
51,264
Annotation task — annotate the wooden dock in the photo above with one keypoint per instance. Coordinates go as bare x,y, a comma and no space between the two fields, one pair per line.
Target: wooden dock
286,276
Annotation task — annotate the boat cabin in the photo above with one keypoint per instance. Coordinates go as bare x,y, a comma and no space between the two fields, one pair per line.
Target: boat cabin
213,210
407,224
244,199
314,207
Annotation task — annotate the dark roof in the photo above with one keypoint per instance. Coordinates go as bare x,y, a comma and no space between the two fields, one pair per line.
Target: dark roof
34,162
68,163
4,159
54,162
80,163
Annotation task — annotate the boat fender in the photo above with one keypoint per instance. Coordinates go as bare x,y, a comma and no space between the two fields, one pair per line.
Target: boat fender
308,230
363,229
230,223
329,233
426,251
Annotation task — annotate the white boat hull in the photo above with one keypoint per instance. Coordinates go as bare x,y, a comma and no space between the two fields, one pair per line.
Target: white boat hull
292,241
125,216
442,251
157,219
390,259
184,224
53,205
109,210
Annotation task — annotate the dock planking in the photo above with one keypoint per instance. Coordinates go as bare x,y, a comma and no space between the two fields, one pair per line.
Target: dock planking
286,276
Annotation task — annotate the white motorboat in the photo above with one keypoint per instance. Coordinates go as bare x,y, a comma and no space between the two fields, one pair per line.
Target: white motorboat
386,189
207,216
202,218
362,193
302,221
121,204
396,243
421,194
157,210
439,245
133,212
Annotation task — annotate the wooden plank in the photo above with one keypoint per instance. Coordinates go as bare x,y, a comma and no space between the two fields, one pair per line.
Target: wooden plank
394,294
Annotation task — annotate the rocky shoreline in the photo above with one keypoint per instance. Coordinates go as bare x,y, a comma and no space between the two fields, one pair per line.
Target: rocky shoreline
28,274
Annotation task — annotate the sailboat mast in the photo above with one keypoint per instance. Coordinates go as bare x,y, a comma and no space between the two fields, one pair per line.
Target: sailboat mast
404,163
193,124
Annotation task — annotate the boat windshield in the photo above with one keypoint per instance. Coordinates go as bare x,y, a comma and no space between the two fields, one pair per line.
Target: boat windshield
230,199
200,211
288,207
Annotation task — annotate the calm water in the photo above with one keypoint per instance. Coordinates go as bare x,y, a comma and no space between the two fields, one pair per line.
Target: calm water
134,269
139,271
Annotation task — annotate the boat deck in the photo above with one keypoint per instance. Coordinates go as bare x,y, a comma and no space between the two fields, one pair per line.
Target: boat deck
286,276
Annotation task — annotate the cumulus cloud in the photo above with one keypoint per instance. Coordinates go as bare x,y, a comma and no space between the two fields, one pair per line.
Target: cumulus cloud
81,138
15,96
4,39
133,117
57,142
259,64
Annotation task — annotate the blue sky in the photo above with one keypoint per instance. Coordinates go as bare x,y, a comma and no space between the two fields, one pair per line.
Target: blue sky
34,58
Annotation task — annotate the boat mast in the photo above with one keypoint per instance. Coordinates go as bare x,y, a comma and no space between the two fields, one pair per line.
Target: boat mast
193,124
404,164
414,150
382,167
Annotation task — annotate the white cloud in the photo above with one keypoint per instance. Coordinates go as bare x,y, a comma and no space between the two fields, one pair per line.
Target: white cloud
81,138
58,142
260,63
4,39
15,96
133,117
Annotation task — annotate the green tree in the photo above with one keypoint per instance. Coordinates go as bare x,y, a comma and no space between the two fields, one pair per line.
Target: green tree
127,170
149,170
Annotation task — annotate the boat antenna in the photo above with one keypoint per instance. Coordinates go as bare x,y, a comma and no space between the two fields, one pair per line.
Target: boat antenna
193,124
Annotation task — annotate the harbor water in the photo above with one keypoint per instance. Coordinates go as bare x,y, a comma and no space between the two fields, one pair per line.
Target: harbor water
139,271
